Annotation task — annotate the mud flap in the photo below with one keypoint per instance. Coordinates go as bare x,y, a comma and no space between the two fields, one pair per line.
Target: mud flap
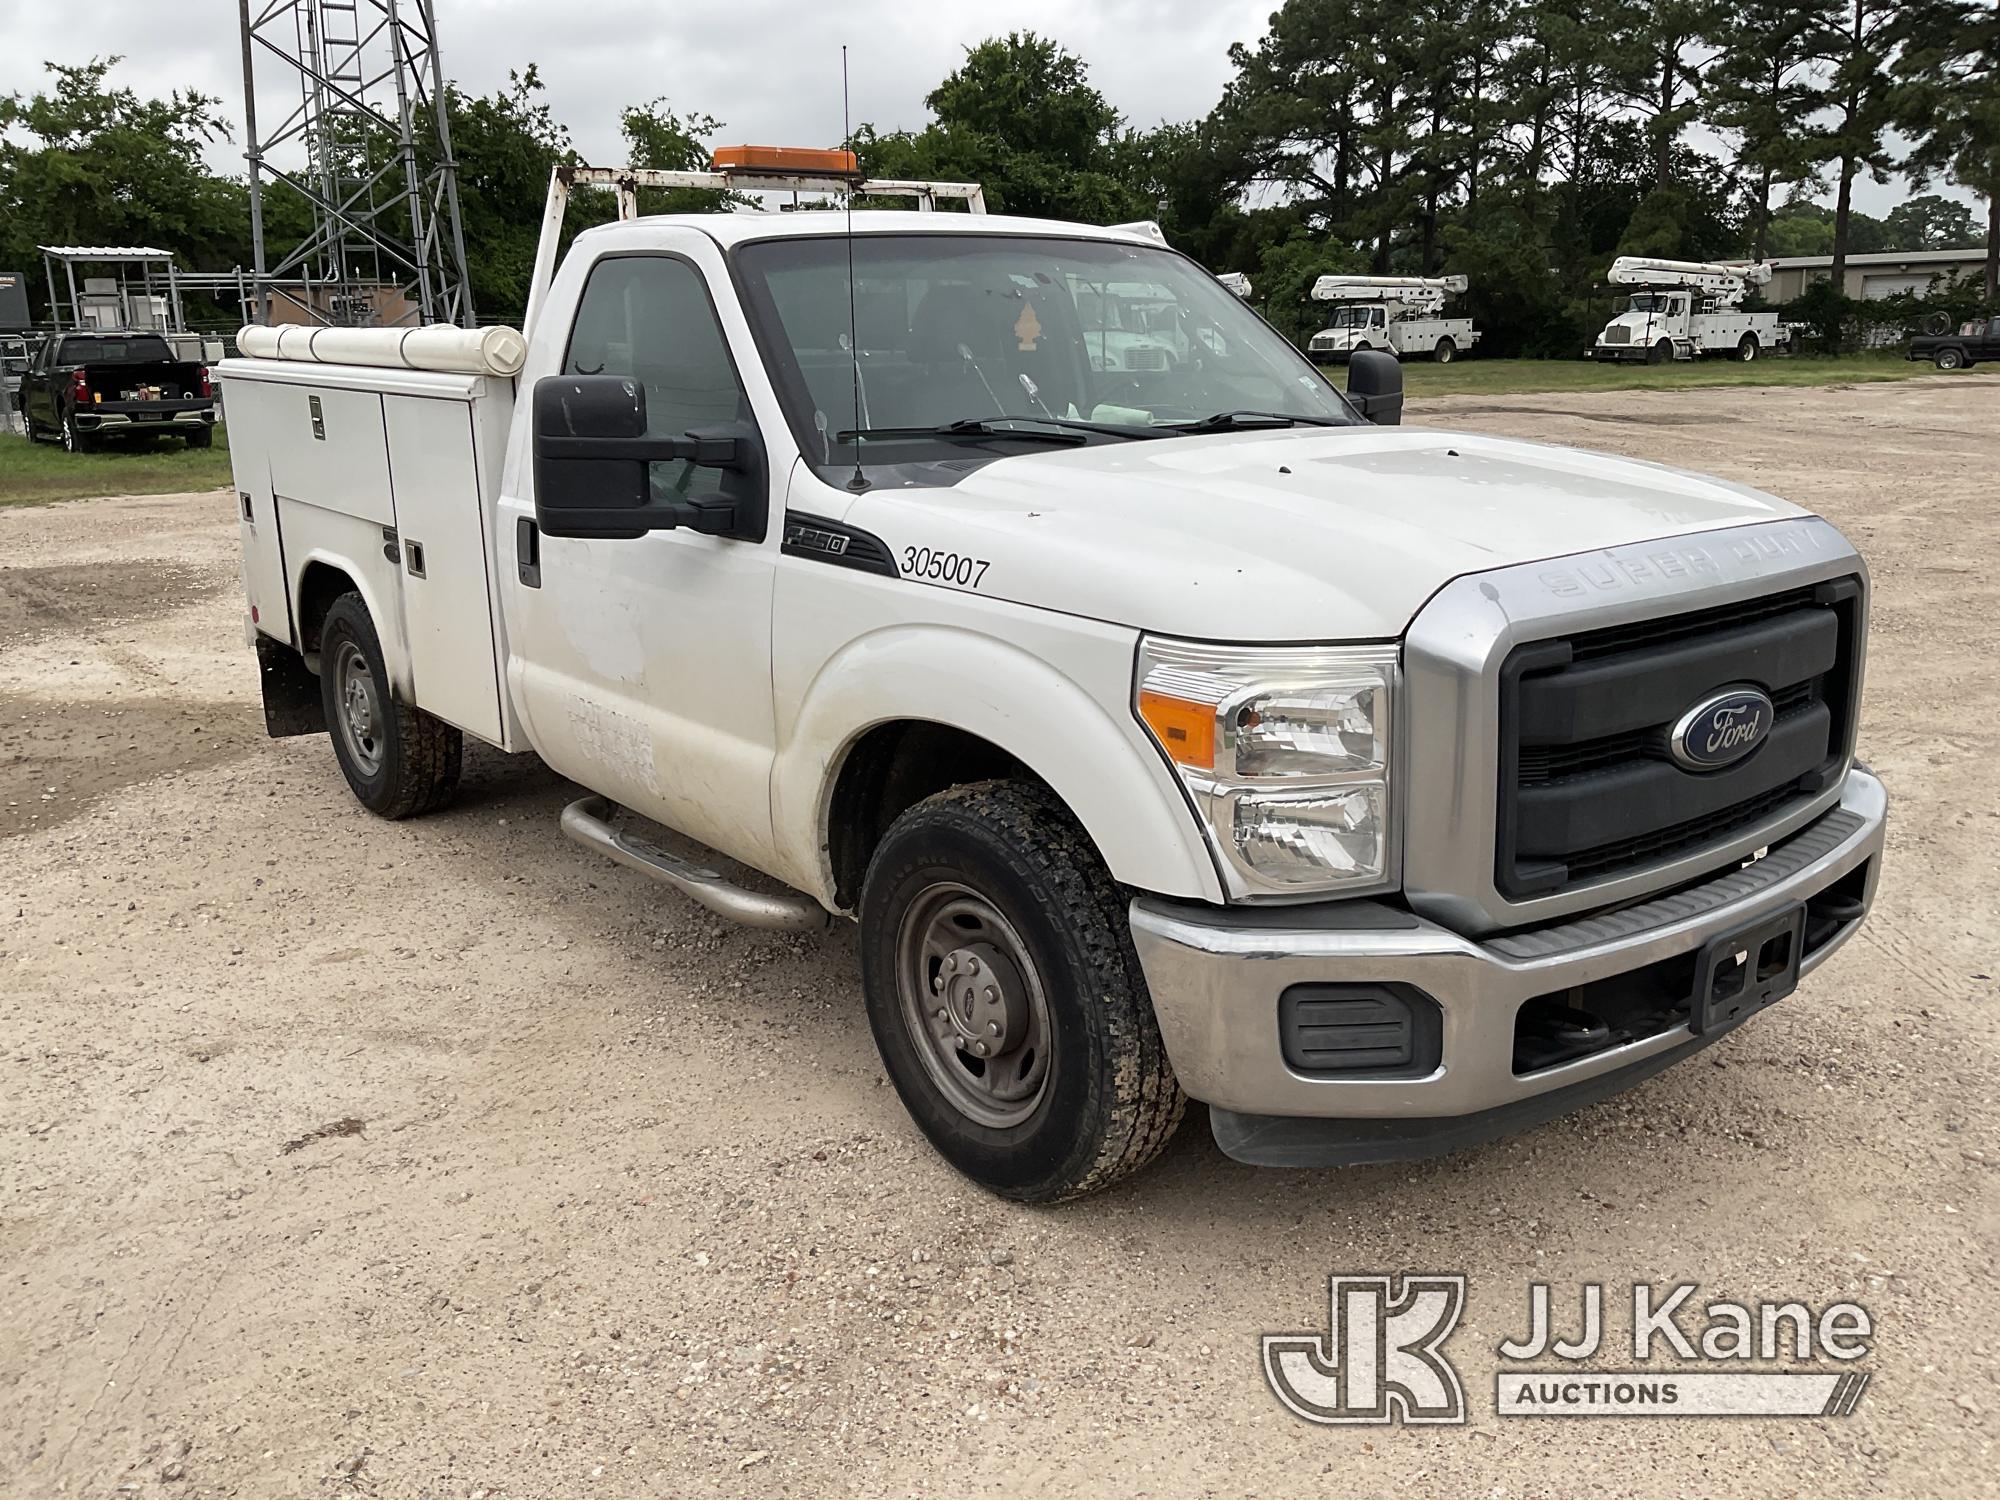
291,692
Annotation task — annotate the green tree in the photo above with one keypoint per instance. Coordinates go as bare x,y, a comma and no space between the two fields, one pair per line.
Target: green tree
87,162
1930,222
1950,102
1761,91
658,138
1285,275
1660,59
1803,227
1021,118
507,143
1858,94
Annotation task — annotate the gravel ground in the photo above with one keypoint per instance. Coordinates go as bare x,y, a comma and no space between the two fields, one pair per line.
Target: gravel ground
440,1159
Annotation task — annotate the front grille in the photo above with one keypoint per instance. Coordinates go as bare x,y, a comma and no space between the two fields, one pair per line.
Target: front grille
1617,335
1589,789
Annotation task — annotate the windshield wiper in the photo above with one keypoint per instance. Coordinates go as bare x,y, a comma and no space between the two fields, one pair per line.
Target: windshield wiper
973,427
1243,421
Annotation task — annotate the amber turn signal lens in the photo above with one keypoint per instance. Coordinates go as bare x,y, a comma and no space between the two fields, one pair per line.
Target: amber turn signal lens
1184,729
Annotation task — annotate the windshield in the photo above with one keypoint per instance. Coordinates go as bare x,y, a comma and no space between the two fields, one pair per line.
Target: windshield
1650,302
1356,317
989,327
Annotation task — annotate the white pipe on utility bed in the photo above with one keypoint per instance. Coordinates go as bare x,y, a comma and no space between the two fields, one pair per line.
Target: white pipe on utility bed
441,347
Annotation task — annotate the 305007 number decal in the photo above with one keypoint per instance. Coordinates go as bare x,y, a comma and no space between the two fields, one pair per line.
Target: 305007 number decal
945,567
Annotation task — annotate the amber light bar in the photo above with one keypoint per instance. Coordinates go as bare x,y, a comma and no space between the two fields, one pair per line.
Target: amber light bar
788,161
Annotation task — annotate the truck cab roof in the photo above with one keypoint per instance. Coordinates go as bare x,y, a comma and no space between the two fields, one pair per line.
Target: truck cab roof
744,225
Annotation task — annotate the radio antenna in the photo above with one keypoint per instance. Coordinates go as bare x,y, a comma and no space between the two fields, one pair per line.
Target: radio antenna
858,481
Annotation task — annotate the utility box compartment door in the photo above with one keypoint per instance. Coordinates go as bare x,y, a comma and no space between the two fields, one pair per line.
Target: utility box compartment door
257,514
441,529
326,449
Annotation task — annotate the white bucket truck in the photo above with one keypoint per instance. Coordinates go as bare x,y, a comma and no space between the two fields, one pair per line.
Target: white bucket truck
1689,309
1398,314
1183,733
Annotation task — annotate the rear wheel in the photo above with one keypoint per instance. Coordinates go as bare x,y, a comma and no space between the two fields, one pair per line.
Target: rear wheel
398,760
1445,352
201,437
74,439
1005,997
1746,350
1950,359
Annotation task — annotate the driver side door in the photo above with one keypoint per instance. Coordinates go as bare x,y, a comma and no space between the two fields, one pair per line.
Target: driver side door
641,664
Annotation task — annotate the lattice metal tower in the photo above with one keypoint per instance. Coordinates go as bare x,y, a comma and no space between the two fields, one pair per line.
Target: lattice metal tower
367,146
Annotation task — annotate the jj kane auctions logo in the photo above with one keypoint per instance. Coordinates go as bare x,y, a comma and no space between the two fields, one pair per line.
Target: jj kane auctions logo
1382,1358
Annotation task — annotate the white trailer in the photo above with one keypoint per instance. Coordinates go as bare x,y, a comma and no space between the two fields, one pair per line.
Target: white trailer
1688,309
1398,314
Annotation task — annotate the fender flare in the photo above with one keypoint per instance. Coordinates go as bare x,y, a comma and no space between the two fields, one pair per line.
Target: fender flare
1112,780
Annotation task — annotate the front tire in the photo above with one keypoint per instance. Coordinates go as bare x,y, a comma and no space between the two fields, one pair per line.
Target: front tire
1661,353
398,760
1950,359
1445,352
1006,999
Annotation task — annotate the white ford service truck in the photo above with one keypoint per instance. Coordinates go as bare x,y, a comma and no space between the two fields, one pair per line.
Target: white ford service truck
1196,732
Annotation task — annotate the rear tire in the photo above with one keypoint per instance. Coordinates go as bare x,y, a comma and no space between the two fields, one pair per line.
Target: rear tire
1746,349
1949,359
201,437
398,760
989,904
1445,352
74,438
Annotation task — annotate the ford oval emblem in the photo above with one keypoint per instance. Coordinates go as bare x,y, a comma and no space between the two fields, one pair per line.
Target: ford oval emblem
1720,731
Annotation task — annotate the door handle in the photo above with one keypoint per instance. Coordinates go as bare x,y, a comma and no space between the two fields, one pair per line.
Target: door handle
413,557
528,551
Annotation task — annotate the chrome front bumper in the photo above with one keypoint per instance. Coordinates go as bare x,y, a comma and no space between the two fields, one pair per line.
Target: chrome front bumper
1216,975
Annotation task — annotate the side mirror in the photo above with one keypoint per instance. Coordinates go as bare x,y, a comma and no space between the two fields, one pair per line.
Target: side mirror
1375,386
592,454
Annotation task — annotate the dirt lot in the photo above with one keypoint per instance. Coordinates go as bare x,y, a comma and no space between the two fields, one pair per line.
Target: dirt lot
440,1159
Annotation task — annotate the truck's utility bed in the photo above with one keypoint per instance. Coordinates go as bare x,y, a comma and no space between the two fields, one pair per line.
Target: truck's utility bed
393,471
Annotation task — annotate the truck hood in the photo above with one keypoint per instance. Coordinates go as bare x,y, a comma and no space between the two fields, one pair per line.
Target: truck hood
1304,534
1639,323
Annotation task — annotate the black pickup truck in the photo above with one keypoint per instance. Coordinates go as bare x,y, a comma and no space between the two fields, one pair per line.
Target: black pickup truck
1974,341
83,388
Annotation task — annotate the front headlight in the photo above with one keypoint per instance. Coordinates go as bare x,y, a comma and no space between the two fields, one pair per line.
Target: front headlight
1288,754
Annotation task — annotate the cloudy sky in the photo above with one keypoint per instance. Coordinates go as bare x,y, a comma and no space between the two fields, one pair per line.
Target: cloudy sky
769,69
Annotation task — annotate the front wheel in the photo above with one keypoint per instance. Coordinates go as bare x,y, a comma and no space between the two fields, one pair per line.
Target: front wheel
398,760
1005,997
1660,353
1949,359
1445,352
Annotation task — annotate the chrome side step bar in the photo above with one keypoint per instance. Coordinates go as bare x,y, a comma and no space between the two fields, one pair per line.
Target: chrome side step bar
588,821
